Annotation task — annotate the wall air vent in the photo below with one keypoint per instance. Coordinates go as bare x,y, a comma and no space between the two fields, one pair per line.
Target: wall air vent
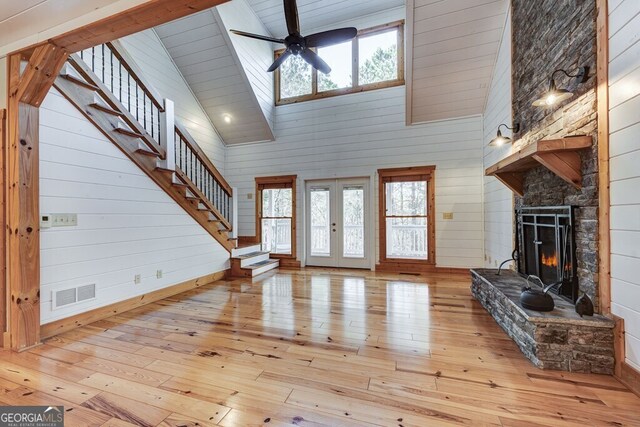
69,296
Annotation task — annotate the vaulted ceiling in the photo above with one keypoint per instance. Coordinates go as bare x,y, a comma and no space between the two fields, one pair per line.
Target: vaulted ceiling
317,13
452,44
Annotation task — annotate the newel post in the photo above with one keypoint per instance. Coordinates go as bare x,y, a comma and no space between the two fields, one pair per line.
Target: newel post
234,212
167,135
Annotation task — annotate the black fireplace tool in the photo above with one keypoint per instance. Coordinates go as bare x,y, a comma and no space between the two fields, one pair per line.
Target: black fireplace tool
584,306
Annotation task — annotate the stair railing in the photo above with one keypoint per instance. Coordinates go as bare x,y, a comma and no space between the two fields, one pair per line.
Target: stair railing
119,73
198,169
115,68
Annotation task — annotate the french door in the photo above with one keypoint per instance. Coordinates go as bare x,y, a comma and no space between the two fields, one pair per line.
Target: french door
337,218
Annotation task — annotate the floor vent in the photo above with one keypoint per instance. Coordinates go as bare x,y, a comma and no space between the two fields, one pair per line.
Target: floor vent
65,297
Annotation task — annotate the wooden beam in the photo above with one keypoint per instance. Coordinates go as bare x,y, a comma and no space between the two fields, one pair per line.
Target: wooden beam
567,165
22,215
136,19
43,67
604,201
513,180
3,226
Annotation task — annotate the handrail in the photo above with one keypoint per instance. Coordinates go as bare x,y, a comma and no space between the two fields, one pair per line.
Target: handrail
118,72
130,64
193,166
193,145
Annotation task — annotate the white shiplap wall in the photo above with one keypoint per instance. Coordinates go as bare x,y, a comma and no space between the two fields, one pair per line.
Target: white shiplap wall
160,70
127,225
455,44
498,199
353,136
624,121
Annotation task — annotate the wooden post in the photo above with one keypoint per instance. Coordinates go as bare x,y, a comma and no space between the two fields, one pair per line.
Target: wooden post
23,236
604,226
3,227
167,135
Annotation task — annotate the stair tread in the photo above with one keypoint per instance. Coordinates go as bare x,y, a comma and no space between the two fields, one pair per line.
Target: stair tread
250,255
261,264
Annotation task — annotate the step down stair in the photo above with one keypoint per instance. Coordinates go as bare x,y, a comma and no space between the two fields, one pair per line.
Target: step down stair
251,261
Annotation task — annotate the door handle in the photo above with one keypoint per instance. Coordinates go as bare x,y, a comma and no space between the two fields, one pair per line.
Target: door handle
334,224
334,230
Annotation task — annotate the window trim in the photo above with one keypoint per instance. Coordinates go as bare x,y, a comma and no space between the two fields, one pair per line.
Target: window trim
356,88
417,173
271,182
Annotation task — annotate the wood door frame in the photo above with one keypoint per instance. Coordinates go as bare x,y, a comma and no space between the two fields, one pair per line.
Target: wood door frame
20,159
395,264
278,182
369,236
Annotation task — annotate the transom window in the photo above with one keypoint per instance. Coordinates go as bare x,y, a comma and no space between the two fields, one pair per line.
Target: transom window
373,60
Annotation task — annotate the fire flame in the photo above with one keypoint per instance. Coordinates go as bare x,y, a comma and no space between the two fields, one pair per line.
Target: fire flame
550,260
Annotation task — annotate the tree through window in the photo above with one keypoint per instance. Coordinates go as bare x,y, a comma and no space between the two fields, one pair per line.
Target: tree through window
374,59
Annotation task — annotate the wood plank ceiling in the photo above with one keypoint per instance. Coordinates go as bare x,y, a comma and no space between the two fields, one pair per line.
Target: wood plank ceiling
208,63
455,43
316,14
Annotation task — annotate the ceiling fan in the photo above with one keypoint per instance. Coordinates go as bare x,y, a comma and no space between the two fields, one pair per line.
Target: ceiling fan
297,44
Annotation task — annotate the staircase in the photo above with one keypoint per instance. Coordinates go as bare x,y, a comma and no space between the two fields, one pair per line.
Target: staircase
106,86
250,261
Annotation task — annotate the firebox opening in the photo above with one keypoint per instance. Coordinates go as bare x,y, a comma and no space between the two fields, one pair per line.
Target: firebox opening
546,247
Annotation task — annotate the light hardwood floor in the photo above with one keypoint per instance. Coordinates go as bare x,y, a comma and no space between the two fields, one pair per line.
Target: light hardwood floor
308,347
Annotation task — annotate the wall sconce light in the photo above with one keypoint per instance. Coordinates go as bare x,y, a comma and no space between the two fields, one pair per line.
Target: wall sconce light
500,140
555,95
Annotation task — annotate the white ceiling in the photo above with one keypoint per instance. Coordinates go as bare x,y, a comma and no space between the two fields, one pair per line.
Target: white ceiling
26,22
205,58
455,44
316,14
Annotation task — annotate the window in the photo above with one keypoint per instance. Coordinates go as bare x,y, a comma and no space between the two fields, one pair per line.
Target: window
407,229
275,220
373,60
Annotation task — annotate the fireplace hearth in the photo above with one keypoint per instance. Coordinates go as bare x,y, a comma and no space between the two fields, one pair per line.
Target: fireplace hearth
546,247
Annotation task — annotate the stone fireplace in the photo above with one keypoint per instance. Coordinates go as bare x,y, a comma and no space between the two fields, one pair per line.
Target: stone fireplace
553,169
565,38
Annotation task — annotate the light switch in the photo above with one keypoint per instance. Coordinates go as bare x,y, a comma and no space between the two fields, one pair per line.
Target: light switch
447,215
249,196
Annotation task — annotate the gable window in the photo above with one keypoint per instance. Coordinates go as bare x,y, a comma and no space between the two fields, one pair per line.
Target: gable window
373,60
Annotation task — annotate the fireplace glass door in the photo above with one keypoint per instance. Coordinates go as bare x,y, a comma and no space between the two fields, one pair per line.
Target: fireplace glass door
546,247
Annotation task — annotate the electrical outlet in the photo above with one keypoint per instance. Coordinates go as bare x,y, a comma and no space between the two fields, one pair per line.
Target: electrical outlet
159,274
447,215
137,279
249,196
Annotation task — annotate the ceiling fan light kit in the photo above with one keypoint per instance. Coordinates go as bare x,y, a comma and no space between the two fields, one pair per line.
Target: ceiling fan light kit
296,44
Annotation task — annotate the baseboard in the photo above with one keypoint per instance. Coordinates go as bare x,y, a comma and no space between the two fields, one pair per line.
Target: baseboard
290,263
63,325
630,377
419,268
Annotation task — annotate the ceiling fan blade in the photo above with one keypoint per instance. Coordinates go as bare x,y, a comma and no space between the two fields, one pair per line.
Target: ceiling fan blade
278,62
291,16
316,62
330,37
257,36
